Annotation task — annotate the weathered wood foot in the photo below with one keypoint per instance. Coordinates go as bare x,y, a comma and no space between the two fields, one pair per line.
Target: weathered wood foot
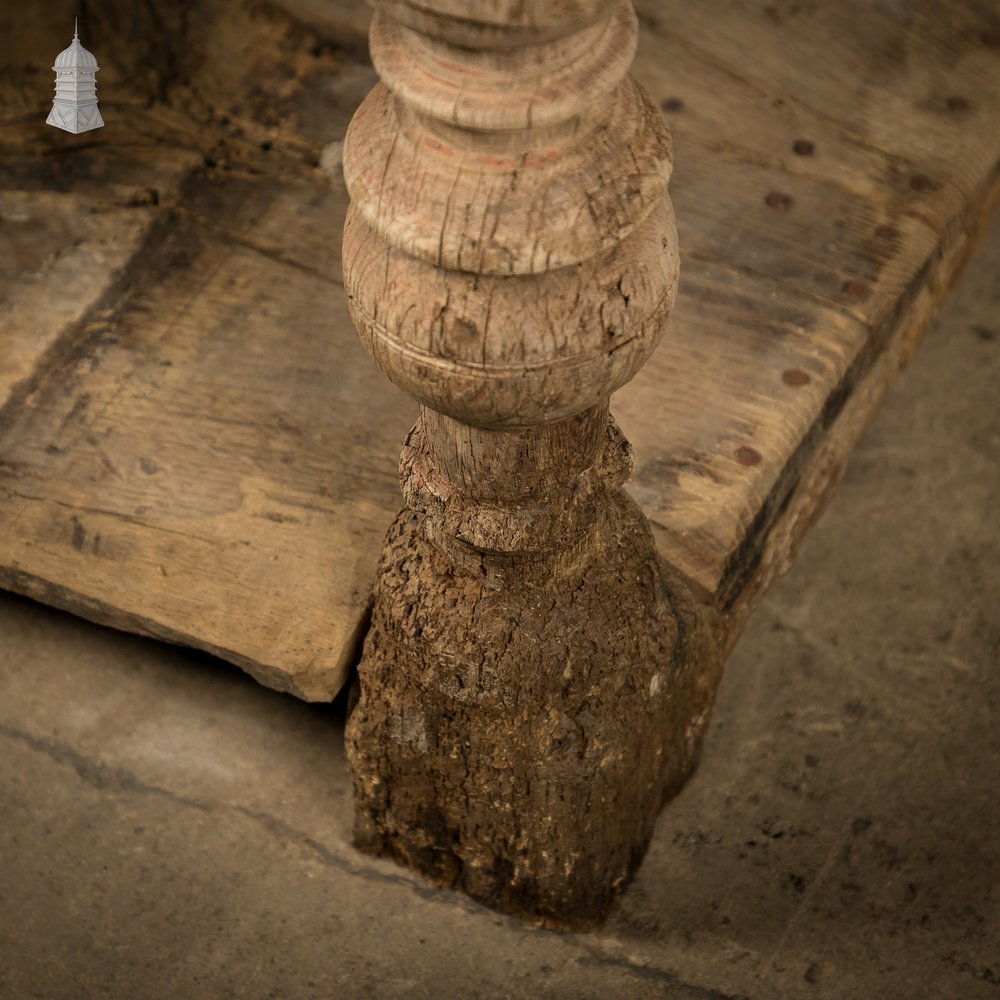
522,718
535,683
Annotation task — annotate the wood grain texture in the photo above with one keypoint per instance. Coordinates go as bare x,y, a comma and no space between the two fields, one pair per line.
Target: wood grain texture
816,211
535,683
832,164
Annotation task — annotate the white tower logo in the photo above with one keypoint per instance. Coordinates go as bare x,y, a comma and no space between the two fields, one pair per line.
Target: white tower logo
75,106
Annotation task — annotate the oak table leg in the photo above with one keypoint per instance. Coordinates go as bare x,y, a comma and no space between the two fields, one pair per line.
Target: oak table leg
535,683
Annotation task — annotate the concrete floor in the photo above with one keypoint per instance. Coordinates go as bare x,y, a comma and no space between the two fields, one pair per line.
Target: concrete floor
170,829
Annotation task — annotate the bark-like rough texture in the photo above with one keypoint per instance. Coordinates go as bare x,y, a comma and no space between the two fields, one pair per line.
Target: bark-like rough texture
519,727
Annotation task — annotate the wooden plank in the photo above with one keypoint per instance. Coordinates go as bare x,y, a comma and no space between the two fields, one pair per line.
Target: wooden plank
187,450
828,249
193,446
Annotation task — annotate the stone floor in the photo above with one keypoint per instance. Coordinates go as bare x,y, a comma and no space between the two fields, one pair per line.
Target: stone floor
170,829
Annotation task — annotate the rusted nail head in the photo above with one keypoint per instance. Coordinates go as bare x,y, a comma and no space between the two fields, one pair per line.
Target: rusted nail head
795,377
747,456
779,200
854,290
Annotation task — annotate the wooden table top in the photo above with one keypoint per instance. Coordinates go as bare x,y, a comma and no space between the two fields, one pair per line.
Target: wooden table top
194,446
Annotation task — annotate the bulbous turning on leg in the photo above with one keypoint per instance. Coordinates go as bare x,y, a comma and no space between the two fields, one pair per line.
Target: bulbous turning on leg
535,682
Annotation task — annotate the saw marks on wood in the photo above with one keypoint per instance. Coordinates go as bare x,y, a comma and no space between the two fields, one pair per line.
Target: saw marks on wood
194,446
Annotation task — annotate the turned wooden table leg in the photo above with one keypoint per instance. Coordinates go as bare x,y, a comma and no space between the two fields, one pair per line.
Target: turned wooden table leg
535,683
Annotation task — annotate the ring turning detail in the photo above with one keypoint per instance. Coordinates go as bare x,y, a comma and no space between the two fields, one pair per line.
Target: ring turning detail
536,681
